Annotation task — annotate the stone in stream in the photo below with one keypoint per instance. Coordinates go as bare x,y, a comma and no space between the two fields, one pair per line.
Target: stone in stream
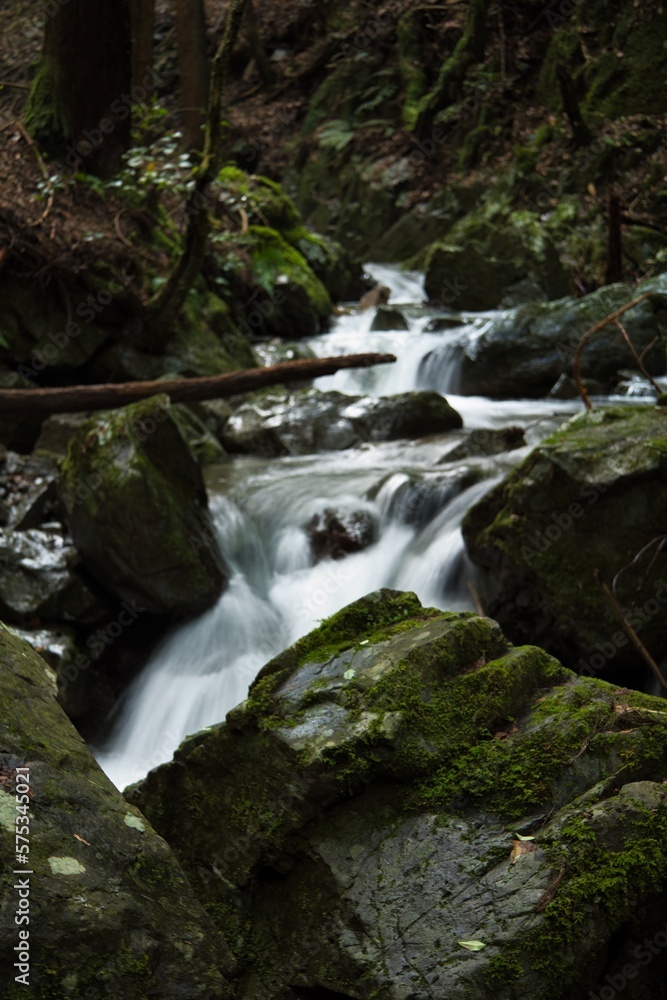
483,442
389,318
355,828
585,506
138,511
303,421
523,352
334,534
110,911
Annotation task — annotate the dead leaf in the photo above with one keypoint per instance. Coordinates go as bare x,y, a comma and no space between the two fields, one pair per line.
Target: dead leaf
520,847
77,837
592,190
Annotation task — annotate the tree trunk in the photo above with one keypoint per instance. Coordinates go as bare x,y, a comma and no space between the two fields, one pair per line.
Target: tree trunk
142,27
256,44
468,52
580,130
81,398
79,107
168,301
194,69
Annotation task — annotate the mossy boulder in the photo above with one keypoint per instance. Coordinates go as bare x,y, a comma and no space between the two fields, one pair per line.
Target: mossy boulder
110,910
375,787
282,422
584,508
490,258
281,294
265,204
524,351
137,509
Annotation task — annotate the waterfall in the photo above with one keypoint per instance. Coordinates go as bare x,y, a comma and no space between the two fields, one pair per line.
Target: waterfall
261,508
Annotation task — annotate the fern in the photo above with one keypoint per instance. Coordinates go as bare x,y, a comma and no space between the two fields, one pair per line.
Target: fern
336,134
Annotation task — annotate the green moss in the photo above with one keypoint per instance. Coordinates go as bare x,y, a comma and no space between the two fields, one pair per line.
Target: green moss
502,971
44,116
410,67
263,200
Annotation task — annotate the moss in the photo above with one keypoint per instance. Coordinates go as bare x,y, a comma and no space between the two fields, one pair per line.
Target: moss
502,971
44,117
262,199
410,67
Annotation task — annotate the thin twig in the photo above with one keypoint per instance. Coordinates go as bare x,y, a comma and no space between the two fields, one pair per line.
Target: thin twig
549,894
660,540
124,240
576,363
472,590
632,635
45,174
637,357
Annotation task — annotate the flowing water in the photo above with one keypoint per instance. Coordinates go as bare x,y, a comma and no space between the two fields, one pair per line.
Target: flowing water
261,507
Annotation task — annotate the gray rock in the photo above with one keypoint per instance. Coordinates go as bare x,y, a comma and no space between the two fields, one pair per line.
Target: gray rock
334,534
137,508
110,908
373,787
587,501
278,422
389,318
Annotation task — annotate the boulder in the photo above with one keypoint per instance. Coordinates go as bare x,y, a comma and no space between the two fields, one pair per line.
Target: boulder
280,422
407,806
137,508
523,351
109,910
388,318
484,262
585,506
485,442
334,534
41,579
375,297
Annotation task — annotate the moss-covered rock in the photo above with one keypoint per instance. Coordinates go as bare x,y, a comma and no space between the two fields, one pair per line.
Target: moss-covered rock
354,825
137,508
298,422
110,912
492,258
584,504
524,351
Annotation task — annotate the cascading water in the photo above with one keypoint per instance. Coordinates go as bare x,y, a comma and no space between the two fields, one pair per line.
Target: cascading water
261,508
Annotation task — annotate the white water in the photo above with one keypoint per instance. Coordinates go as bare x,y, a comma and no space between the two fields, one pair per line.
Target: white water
260,507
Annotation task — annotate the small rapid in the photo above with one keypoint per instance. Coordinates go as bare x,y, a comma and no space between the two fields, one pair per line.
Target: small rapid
412,494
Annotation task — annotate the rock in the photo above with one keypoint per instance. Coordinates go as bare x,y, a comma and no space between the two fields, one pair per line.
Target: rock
414,500
277,422
276,352
587,500
109,904
335,534
137,508
374,786
483,442
56,433
375,297
18,431
524,351
41,580
389,319
28,490
567,388
485,261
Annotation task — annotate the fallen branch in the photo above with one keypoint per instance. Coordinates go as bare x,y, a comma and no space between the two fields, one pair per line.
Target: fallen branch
81,398
576,363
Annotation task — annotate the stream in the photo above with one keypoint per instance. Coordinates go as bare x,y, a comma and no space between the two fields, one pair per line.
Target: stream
261,507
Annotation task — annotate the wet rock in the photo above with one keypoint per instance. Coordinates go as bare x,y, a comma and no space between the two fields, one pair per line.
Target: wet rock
524,351
583,507
29,491
387,318
335,534
567,388
56,433
40,579
279,422
108,903
415,500
483,442
137,508
484,262
374,786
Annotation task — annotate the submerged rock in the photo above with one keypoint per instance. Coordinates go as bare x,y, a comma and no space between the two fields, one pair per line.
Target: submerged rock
584,507
110,910
137,508
277,422
431,807
524,351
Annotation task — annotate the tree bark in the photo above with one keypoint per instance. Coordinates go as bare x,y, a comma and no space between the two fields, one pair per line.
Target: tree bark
256,44
194,69
79,107
81,398
580,130
166,304
142,28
